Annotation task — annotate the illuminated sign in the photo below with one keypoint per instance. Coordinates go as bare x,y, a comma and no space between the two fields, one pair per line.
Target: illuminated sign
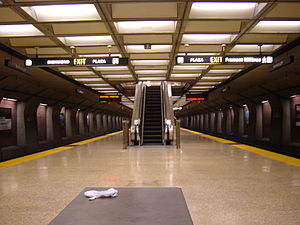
110,98
196,97
79,61
282,63
229,59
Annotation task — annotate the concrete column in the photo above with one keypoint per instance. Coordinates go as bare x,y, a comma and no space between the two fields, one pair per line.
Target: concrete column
201,121
91,123
259,122
219,122
98,122
83,130
53,123
212,122
27,133
241,123
105,123
70,122
286,121
252,121
206,121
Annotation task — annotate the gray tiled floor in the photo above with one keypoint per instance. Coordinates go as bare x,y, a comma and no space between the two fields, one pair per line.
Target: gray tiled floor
222,185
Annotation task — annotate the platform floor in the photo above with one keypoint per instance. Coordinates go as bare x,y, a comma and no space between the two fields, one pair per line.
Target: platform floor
222,184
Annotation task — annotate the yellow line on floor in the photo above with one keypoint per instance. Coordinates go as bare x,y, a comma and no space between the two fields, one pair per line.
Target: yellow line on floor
279,157
210,137
269,154
23,159
27,158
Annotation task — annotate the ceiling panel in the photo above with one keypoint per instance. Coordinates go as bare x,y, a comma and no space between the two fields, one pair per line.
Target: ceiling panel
213,26
150,56
201,48
79,28
263,38
8,15
144,10
96,50
31,42
46,51
285,10
151,39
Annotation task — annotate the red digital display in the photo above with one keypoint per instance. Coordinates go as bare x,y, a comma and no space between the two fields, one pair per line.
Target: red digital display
110,98
195,99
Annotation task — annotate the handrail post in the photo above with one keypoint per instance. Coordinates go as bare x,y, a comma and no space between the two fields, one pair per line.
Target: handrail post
125,124
177,124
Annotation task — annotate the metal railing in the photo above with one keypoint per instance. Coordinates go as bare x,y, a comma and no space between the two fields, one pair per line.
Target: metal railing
168,114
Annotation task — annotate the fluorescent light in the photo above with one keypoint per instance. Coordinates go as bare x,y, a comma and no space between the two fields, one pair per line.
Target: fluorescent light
254,48
75,12
101,55
265,101
43,104
225,10
182,67
110,68
9,99
198,90
185,75
117,76
154,48
19,30
215,77
149,62
151,71
74,73
294,96
87,40
208,38
146,26
97,85
152,78
104,89
208,83
90,79
225,71
277,27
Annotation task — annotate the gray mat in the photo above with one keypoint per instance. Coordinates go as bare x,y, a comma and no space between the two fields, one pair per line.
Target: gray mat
133,206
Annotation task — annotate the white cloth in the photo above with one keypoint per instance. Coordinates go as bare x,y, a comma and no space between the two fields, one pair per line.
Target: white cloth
92,194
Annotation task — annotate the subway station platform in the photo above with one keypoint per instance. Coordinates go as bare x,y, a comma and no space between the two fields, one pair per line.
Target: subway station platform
222,183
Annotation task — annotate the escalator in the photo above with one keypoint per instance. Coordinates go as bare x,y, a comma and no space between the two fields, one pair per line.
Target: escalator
152,117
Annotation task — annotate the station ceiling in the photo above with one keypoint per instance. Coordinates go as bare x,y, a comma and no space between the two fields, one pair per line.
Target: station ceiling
151,34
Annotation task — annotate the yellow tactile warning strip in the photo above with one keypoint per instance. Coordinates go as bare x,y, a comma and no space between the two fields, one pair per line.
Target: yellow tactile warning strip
23,159
279,157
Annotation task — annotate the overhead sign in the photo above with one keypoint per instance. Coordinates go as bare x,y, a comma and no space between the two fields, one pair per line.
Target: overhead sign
229,59
110,98
17,67
282,63
80,61
196,97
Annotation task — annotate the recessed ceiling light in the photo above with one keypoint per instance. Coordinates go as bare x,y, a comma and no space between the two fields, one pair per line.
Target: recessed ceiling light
208,38
87,40
97,85
208,83
149,62
151,71
74,12
101,55
202,87
277,27
90,79
185,75
254,48
110,68
104,88
215,77
74,73
201,53
154,48
181,67
19,30
146,26
225,10
117,76
225,71
152,78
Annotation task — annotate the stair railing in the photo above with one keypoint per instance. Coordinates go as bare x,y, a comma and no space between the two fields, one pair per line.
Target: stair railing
168,114
136,122
143,105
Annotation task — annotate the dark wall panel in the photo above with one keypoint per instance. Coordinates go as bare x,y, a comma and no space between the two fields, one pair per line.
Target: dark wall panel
295,119
266,110
41,122
9,137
